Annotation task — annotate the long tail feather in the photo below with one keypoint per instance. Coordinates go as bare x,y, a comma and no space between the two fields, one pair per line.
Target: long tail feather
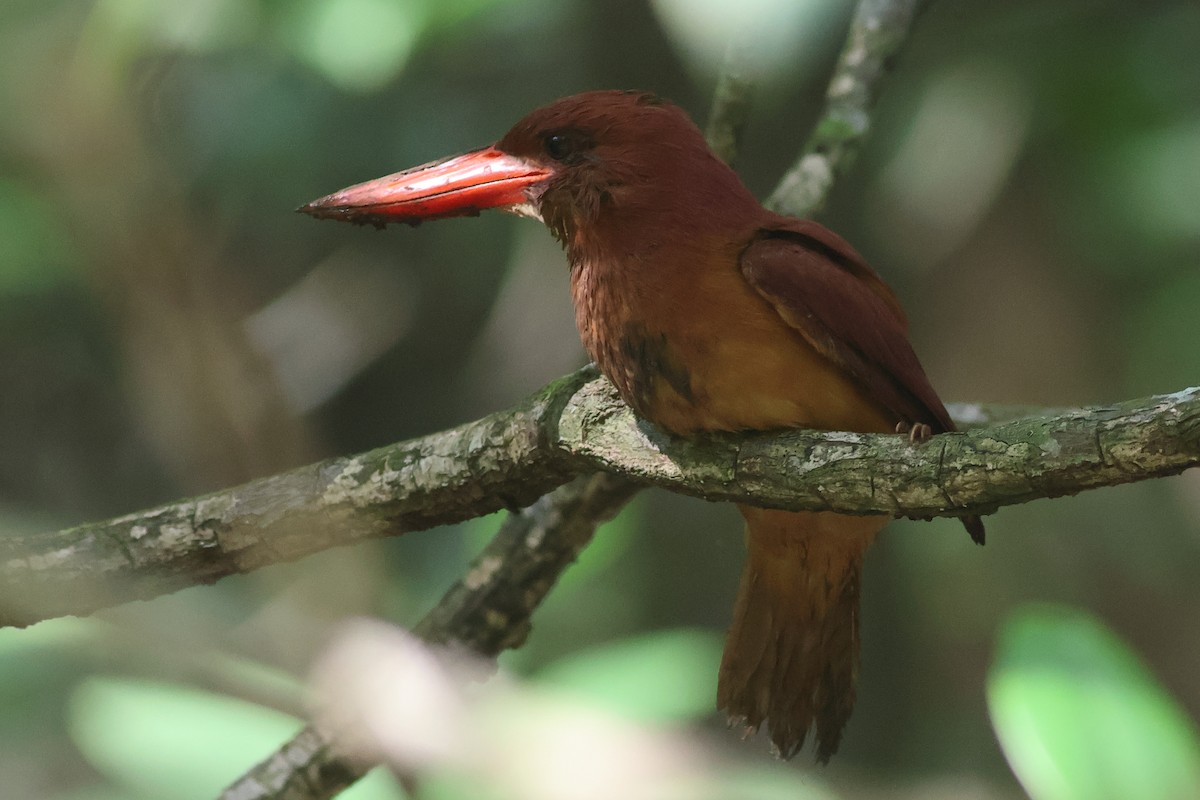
791,656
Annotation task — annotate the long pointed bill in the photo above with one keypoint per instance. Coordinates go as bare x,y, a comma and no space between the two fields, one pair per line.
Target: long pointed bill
453,187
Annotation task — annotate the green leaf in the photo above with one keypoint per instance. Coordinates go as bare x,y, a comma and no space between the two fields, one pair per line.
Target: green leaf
171,741
127,28
666,675
1080,718
612,540
99,792
359,45
767,783
35,661
1157,175
35,254
1160,330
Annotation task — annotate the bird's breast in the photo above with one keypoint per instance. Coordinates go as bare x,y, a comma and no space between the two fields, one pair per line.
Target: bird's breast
704,351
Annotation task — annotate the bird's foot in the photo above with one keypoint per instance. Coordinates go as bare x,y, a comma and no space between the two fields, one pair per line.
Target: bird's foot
918,432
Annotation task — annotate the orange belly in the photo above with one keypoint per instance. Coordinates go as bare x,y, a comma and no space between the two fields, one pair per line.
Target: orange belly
759,380
709,353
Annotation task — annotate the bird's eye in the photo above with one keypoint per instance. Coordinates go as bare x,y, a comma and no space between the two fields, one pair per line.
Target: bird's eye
559,146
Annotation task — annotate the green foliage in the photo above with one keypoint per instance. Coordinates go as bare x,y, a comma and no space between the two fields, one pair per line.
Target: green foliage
660,676
1162,330
33,660
763,783
172,742
357,44
35,253
1081,718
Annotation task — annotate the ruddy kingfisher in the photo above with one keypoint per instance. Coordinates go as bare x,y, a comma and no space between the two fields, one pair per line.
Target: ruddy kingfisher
709,312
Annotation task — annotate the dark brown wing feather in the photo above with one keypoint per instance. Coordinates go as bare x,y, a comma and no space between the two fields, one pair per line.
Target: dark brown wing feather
821,287
824,290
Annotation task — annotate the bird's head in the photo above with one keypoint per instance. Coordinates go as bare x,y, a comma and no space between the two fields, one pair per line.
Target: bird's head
575,164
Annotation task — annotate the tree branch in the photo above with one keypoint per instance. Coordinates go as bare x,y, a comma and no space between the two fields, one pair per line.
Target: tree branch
878,30
578,425
731,104
505,460
974,471
486,612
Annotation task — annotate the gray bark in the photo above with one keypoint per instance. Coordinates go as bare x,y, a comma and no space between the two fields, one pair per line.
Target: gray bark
575,426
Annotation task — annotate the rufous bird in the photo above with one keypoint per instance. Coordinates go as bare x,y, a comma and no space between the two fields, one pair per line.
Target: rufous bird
709,313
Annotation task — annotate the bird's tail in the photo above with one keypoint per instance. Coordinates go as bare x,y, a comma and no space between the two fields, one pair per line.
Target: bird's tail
791,656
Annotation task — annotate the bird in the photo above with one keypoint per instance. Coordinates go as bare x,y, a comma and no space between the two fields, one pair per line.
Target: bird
709,312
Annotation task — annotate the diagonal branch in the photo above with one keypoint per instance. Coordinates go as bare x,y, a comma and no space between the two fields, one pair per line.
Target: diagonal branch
732,99
487,612
877,32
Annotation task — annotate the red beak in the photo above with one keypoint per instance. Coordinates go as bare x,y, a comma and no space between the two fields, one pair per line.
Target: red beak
453,187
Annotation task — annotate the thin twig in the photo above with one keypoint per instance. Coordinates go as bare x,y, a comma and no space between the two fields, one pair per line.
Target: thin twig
878,30
732,99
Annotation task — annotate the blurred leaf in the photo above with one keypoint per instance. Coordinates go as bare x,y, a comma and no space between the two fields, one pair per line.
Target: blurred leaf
766,783
22,644
100,792
167,740
359,45
1157,175
610,542
588,604
36,665
1162,328
446,785
666,675
968,134
125,29
1080,718
377,785
447,14
175,743
34,248
787,35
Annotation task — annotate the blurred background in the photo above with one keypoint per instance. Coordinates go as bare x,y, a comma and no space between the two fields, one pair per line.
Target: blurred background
168,327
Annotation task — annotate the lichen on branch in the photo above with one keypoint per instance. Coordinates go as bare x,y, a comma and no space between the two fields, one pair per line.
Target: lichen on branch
578,425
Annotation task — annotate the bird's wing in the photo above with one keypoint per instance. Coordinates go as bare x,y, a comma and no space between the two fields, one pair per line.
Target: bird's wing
821,287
